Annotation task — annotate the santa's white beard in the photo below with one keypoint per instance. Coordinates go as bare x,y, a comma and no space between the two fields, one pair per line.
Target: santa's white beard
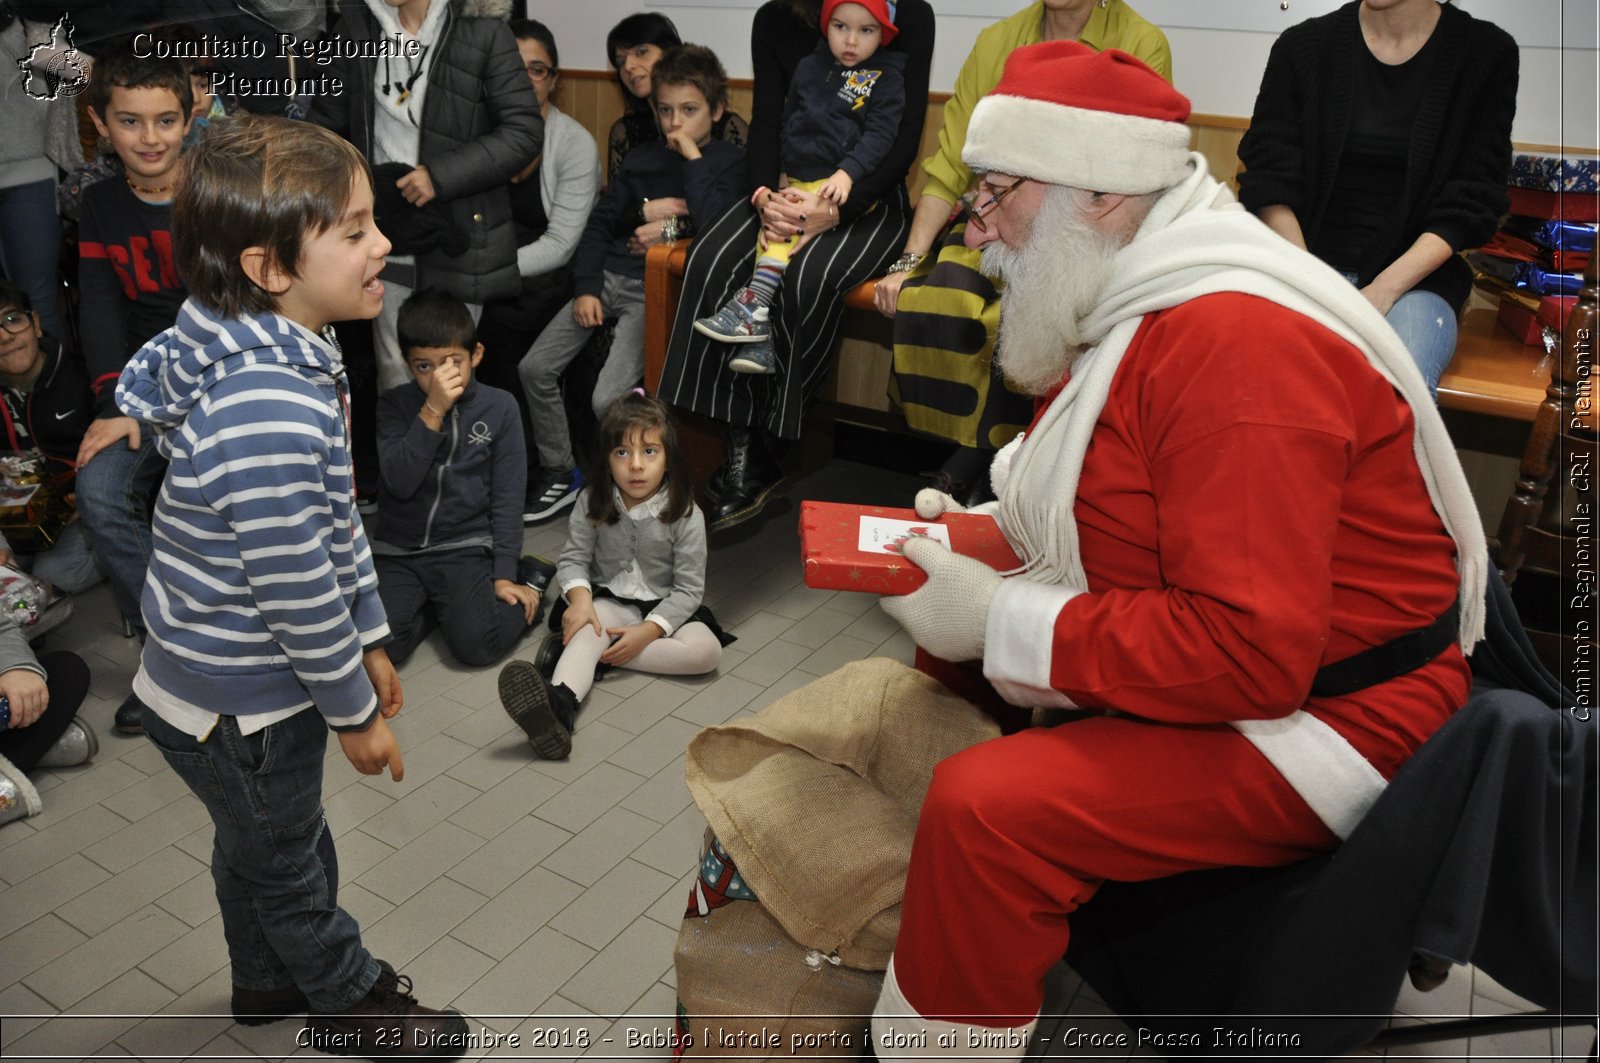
1051,284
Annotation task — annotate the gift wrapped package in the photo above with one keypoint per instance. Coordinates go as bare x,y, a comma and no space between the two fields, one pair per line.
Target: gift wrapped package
1555,173
856,548
1553,311
1542,282
1554,206
32,511
1553,235
1523,323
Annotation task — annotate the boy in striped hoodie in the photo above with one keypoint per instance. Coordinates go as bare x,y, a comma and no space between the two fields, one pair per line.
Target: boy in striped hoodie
265,626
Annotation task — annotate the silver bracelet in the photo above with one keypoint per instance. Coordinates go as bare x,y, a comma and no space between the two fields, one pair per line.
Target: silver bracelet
908,261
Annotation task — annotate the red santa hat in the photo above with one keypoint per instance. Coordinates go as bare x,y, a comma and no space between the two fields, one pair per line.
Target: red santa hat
1066,114
882,10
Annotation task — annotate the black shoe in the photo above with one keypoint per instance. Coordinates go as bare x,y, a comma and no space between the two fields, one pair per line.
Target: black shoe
749,476
549,492
536,572
257,1007
549,655
535,706
387,1022
129,719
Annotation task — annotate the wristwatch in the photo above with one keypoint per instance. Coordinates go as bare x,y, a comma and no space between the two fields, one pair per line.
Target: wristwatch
908,261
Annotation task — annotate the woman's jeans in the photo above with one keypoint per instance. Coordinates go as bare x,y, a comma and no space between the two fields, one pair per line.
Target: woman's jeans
273,861
1426,324
30,245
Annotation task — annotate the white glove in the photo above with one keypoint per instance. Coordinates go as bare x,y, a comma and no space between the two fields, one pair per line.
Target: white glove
932,503
947,615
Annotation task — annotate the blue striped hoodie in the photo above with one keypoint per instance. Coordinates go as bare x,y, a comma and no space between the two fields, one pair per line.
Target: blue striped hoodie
261,593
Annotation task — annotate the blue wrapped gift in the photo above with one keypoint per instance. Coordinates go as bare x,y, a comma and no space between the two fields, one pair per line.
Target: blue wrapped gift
1555,173
1540,281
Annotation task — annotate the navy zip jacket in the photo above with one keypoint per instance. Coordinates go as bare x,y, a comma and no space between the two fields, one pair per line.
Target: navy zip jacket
841,117
459,487
710,184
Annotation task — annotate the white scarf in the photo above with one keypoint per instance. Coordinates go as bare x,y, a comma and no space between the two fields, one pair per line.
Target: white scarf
1198,240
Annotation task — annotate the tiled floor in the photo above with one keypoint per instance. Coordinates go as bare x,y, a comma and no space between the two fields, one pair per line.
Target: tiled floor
531,895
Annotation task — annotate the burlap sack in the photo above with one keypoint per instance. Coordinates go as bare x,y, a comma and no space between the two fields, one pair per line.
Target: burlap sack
816,799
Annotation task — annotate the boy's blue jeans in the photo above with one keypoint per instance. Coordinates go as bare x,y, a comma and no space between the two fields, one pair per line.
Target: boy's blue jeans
273,861
114,493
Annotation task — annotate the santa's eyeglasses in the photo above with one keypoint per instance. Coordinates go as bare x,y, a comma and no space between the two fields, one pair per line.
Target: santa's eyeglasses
976,210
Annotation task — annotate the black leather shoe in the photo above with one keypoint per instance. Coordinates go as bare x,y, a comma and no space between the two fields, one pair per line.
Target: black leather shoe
257,1007
531,702
749,477
129,719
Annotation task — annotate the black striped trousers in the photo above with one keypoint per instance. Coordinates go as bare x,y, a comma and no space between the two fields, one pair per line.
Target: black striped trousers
805,323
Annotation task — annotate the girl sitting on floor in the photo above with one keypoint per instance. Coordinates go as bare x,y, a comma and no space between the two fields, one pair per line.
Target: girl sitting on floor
631,576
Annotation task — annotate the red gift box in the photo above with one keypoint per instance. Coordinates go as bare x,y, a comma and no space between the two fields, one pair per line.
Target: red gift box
1553,311
1555,206
829,543
1523,323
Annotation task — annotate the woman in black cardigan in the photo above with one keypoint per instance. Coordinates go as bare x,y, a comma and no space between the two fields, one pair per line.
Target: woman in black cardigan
1381,141
845,246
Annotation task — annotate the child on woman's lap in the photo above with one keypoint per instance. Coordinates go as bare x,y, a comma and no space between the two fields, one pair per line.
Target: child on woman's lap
632,575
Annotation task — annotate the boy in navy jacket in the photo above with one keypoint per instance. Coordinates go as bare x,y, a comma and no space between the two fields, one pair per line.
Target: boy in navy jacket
453,470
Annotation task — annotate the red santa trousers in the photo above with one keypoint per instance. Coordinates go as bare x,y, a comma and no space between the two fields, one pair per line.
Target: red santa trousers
1015,833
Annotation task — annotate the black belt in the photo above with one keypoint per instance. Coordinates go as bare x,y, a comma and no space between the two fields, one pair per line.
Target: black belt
1389,660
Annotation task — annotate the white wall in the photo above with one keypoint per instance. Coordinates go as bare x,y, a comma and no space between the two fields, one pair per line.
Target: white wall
1219,69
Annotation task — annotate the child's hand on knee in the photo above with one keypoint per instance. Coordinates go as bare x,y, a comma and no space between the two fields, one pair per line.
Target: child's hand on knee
630,640
836,189
513,593
588,312
374,749
579,615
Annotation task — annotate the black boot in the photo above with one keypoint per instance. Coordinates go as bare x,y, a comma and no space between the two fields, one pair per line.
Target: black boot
741,488
546,712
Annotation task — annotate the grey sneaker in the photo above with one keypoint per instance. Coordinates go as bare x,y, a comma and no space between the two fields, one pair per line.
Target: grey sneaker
741,320
18,798
756,358
75,746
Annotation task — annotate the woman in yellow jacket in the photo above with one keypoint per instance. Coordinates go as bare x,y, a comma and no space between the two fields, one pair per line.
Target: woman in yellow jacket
945,312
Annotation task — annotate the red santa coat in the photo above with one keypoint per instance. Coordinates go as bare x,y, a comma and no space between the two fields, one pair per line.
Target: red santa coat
1250,509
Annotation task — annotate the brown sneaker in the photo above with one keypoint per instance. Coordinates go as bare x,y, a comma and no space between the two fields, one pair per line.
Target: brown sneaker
389,1022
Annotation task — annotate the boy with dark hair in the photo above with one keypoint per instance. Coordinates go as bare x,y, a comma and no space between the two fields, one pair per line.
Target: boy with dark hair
453,470
690,94
266,630
131,290
44,406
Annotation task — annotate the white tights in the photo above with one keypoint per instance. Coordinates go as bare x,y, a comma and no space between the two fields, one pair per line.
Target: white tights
690,650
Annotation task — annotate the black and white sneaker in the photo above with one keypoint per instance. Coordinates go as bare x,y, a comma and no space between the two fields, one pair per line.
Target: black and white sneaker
549,492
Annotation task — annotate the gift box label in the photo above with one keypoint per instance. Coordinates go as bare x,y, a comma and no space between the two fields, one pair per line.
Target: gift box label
857,548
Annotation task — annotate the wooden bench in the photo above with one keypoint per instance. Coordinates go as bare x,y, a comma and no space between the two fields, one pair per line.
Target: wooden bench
1493,374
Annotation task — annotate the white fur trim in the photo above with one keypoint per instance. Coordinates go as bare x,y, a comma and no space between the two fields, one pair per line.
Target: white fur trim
900,1032
31,804
1325,770
1019,640
1000,467
1096,150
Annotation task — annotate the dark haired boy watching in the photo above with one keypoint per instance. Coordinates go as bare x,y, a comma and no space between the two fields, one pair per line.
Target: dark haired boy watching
131,290
453,469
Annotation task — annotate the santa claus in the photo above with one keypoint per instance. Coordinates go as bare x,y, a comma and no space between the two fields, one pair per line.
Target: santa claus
1251,556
